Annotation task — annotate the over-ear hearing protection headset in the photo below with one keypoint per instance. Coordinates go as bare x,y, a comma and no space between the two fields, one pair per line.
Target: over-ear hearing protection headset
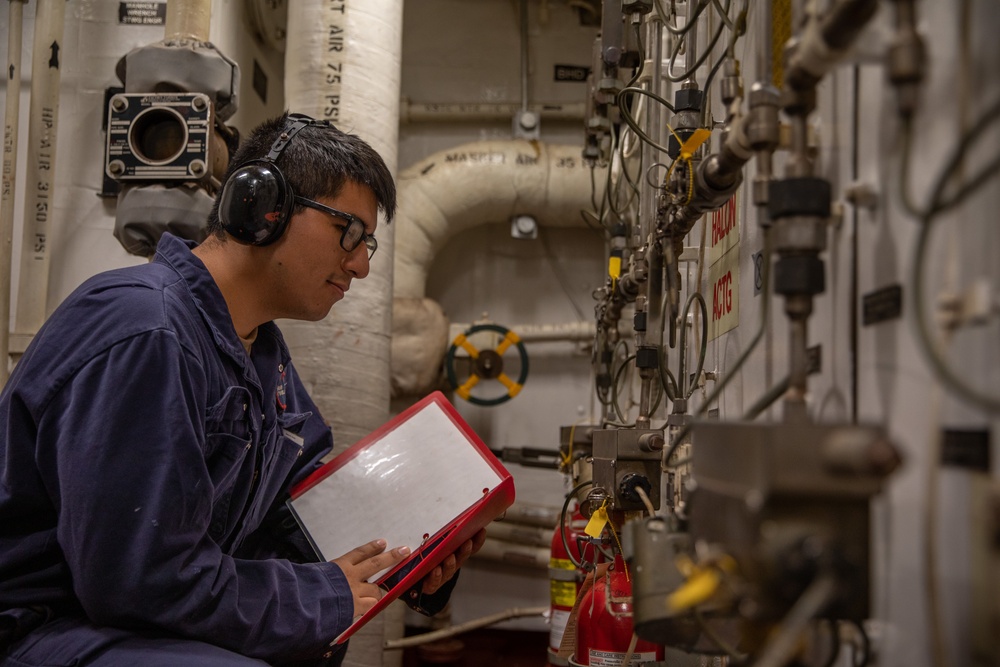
257,201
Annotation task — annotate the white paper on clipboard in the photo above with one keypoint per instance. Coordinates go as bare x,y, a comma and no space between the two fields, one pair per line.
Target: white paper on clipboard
404,487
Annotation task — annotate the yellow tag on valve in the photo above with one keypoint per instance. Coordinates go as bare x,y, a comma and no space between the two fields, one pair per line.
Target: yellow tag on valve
598,520
615,267
694,142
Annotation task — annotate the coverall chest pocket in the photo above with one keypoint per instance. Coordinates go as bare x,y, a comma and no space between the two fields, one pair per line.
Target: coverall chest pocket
288,447
228,437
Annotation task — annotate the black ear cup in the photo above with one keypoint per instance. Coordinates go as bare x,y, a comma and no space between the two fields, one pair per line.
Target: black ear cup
257,201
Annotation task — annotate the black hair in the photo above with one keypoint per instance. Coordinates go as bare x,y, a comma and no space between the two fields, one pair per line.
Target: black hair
318,161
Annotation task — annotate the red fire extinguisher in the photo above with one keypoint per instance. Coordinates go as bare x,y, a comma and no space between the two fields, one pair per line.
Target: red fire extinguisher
565,578
604,624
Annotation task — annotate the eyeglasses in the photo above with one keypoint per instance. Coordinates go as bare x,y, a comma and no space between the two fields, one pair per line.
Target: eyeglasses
354,231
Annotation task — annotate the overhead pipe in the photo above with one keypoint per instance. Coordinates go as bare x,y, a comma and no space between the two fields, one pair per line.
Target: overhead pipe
43,124
458,189
486,181
12,115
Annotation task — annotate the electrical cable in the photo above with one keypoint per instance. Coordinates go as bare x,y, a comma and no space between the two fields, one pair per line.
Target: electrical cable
630,121
562,520
681,375
670,76
644,497
938,205
721,385
614,396
702,4
614,387
723,14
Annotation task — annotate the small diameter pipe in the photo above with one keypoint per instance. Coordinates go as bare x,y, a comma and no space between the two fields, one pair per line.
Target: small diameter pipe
785,640
514,554
765,401
43,126
532,515
444,633
15,23
535,536
543,333
798,357
188,19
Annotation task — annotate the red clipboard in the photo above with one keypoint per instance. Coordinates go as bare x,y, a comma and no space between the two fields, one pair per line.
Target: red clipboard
424,480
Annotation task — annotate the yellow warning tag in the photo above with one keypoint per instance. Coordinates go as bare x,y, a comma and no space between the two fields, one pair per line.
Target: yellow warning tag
693,142
614,266
598,520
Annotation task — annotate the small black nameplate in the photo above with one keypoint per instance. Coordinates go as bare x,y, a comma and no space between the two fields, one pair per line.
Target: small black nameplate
963,448
814,359
142,13
572,73
882,305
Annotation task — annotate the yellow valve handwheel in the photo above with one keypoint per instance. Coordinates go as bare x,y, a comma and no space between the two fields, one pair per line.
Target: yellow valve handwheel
487,364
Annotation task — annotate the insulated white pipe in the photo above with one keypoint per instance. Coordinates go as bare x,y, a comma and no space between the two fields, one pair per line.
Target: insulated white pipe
487,181
344,66
43,121
12,115
458,189
188,19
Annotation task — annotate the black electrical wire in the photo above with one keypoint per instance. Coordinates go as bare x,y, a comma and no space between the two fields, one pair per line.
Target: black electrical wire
562,521
630,121
701,59
681,375
614,387
667,378
731,373
938,205
723,14
702,4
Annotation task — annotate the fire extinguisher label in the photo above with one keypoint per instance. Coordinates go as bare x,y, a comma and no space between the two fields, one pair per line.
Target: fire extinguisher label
614,658
563,593
561,564
558,620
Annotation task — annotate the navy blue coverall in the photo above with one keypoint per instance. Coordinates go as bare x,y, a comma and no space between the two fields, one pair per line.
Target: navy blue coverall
144,465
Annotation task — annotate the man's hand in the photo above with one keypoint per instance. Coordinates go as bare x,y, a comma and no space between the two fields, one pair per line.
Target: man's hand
361,563
449,566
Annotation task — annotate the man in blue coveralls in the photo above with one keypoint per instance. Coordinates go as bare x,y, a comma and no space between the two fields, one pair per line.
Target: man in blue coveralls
150,434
